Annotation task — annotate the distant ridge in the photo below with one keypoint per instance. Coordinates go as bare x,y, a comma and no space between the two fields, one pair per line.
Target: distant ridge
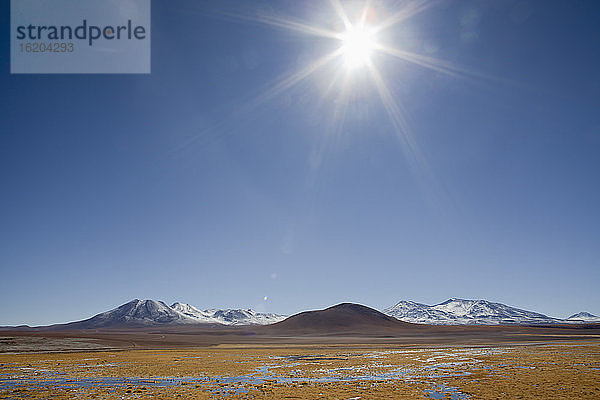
242,316
341,317
467,312
583,317
151,313
134,313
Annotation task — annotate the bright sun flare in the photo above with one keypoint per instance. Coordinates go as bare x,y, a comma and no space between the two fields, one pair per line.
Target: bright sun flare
358,42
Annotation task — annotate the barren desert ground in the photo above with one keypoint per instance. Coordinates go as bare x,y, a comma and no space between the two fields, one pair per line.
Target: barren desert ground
513,370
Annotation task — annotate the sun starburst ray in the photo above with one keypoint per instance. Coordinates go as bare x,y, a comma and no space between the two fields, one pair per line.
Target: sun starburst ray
299,27
358,41
335,125
290,80
432,63
287,23
409,10
417,162
393,110
341,13
333,82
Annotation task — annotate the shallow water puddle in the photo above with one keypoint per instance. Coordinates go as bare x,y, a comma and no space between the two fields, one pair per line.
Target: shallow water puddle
442,392
222,385
428,367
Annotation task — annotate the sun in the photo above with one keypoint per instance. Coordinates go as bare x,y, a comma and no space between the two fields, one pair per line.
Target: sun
358,43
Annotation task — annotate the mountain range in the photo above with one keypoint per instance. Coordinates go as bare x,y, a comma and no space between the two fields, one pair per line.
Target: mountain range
243,316
157,313
475,312
583,317
151,313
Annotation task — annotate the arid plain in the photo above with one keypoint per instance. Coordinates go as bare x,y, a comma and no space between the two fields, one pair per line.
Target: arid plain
283,361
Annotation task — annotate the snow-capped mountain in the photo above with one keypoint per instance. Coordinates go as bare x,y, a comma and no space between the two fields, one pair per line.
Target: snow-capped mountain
583,317
227,316
156,313
418,313
466,312
192,312
246,317
136,312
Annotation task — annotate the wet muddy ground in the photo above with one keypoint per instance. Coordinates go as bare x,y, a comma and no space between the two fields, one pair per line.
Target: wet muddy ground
511,371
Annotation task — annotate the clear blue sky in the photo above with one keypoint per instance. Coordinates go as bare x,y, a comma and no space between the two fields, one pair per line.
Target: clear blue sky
190,184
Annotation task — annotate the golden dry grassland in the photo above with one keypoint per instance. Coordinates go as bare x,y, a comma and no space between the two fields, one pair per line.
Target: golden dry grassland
509,371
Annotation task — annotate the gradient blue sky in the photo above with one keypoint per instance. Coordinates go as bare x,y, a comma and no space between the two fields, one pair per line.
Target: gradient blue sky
178,186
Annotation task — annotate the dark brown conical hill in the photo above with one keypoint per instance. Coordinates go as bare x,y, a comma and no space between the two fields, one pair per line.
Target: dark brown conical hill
345,317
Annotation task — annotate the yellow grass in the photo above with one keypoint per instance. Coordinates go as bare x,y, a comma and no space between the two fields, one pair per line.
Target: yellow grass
510,371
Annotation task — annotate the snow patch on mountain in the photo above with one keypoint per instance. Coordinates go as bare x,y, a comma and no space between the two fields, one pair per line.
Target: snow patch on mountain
466,312
137,312
418,313
192,312
227,316
583,317
157,313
